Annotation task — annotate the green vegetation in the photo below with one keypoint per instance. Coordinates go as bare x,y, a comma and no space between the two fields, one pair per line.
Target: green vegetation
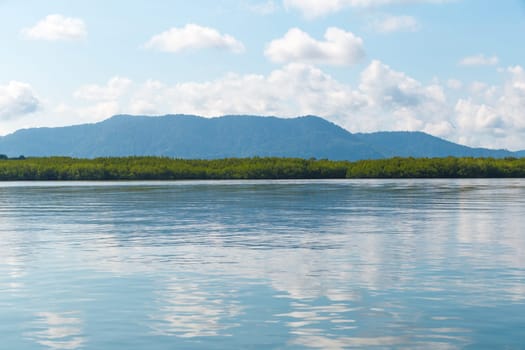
449,167
155,168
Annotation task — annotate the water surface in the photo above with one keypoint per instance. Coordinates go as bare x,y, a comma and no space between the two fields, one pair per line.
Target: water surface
375,264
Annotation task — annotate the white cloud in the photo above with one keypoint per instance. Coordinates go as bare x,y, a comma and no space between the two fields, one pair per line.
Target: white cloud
389,24
17,99
295,89
56,27
472,116
392,88
339,48
317,8
399,102
193,36
512,101
479,60
496,119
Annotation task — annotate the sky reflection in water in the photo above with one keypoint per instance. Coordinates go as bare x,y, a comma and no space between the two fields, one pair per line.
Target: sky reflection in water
283,264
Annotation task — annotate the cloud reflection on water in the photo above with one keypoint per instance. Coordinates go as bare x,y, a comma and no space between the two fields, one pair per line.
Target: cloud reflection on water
343,259
58,331
189,310
12,263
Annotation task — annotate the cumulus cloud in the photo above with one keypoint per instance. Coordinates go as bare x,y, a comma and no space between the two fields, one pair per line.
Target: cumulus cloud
292,90
403,103
339,48
56,27
389,24
17,99
472,116
496,119
193,36
317,8
392,88
479,60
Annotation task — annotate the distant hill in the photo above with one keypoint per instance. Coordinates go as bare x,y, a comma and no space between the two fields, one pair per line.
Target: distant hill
419,144
186,136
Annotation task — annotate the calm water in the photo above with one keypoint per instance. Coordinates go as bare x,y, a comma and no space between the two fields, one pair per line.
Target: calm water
285,265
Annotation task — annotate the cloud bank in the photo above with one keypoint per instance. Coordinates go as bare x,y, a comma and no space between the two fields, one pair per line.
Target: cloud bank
384,99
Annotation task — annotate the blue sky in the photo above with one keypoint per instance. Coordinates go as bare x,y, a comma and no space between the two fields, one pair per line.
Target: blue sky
452,68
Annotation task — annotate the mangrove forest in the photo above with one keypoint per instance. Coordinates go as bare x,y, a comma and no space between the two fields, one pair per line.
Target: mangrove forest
159,168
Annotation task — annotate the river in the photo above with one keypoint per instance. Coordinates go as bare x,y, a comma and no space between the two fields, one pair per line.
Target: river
368,264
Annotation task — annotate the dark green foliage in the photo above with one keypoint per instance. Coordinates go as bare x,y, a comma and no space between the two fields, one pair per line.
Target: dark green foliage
156,168
449,167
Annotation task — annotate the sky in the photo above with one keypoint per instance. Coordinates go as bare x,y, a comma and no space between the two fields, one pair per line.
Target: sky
451,68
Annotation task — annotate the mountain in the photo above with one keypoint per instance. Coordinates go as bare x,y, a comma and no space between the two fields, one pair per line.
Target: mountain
184,136
187,136
419,144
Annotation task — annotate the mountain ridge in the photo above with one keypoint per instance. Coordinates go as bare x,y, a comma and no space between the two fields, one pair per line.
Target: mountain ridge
231,136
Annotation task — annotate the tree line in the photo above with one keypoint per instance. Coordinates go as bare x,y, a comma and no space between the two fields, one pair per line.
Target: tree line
160,168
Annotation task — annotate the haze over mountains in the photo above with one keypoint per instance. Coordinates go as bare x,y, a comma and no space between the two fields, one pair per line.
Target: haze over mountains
186,136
